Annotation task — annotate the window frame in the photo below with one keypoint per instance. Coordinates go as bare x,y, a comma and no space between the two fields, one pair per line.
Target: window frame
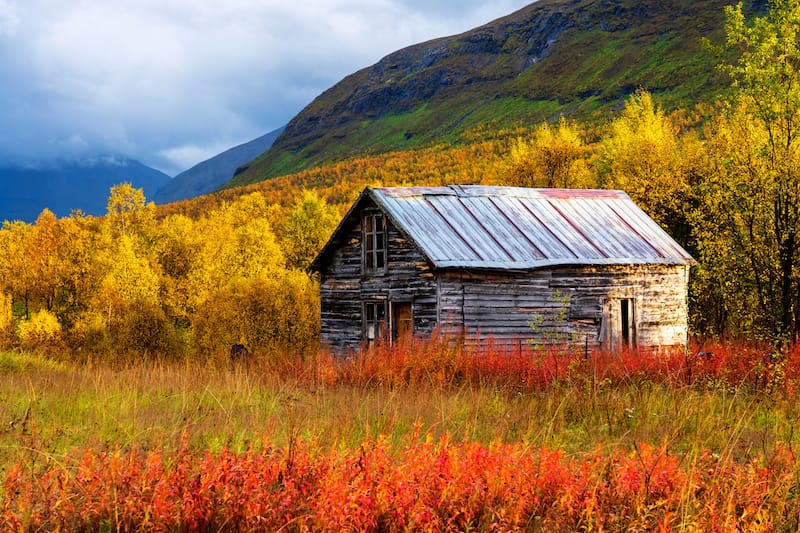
374,243
374,321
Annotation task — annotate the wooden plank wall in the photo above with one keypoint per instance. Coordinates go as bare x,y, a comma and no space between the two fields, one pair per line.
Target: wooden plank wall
556,305
343,287
340,294
659,293
564,305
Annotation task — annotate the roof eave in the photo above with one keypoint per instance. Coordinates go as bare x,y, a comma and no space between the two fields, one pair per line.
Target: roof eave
553,263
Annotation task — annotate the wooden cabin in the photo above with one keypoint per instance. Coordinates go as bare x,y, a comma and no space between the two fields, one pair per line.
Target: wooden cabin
515,265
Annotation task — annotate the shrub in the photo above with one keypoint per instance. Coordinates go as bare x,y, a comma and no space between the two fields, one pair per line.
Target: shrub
276,313
144,327
89,331
425,486
41,329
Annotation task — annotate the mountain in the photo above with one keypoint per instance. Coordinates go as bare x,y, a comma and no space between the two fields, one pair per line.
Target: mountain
553,57
66,185
212,173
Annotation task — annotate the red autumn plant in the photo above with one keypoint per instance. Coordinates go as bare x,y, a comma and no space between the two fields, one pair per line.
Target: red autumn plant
437,485
424,486
441,361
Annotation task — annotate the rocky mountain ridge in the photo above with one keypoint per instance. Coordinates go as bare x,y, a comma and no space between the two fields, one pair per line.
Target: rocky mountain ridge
552,57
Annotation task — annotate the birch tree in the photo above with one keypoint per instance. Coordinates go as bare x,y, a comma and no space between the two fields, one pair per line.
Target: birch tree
751,210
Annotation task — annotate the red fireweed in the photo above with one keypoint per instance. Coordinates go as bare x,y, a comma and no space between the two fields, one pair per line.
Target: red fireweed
425,486
517,365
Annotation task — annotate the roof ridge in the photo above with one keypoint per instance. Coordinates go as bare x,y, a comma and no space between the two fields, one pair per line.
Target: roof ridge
472,190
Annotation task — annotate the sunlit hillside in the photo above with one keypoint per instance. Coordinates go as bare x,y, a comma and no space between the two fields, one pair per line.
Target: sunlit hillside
480,157
575,58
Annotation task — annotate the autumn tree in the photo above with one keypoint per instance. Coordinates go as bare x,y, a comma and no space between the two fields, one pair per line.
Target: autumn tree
126,314
128,212
238,242
271,315
643,154
306,228
555,156
239,285
81,267
178,250
749,227
41,252
17,279
128,284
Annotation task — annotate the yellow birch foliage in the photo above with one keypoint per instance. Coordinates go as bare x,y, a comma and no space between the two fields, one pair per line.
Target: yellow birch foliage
79,268
41,251
42,329
266,314
306,228
642,154
128,212
178,255
238,242
130,278
554,157
749,225
15,276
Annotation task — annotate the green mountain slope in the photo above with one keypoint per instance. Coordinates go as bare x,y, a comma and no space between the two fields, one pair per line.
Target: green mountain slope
573,57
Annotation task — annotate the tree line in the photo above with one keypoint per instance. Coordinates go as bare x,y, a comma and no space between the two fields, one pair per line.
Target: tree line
132,283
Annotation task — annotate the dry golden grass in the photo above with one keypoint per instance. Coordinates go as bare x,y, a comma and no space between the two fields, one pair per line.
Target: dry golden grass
47,409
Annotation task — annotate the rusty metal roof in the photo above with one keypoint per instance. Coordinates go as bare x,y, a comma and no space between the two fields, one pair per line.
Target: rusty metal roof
516,228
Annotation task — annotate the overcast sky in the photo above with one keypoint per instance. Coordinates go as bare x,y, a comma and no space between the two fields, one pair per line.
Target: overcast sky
173,82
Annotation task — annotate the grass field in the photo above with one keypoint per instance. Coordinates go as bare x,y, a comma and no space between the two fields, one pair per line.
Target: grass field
422,437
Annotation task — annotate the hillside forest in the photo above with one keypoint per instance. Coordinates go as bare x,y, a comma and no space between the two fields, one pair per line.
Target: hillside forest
189,279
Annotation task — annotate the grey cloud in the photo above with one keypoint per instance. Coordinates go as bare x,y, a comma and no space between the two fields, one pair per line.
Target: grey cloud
167,80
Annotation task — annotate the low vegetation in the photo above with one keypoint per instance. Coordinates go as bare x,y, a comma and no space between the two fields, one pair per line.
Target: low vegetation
422,436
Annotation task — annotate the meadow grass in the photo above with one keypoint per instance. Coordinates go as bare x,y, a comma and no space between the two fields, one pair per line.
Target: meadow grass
48,408
422,437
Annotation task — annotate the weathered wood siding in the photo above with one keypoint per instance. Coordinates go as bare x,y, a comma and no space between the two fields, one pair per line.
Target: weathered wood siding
343,287
564,305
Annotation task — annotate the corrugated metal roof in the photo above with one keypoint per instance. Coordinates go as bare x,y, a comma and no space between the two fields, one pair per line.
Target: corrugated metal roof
516,228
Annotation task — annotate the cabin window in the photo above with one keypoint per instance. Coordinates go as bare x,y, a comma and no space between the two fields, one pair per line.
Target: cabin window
374,242
618,325
374,321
